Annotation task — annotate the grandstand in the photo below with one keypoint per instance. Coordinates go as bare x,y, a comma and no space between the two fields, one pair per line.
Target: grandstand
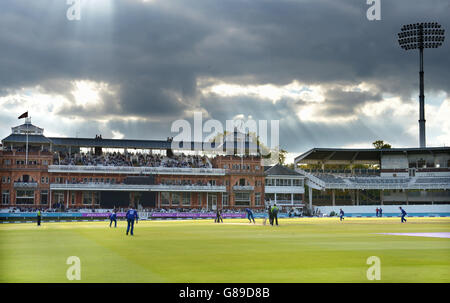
41,172
390,176
106,173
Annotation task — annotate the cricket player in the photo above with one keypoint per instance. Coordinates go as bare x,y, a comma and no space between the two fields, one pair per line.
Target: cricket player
113,218
403,214
39,217
270,215
274,214
341,214
131,216
380,212
218,216
250,216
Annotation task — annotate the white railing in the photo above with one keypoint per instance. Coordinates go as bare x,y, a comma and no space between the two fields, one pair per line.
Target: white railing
284,189
311,177
135,170
243,188
98,186
131,187
25,184
387,183
192,188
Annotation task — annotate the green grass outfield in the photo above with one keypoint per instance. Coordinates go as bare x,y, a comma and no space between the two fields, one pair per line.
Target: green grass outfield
299,250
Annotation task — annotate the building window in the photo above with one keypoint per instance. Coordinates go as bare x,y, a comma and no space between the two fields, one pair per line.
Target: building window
186,199
72,198
3,179
44,196
7,162
96,198
165,198
5,197
176,198
257,199
25,197
242,199
87,198
225,199
42,179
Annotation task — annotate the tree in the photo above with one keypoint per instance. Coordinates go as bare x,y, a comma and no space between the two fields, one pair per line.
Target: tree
379,144
282,156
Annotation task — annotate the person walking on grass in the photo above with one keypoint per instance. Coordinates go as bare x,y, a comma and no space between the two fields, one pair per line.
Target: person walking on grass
113,218
131,216
403,214
341,215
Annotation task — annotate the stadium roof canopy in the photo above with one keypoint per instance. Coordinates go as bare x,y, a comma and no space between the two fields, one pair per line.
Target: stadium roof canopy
36,137
113,143
360,156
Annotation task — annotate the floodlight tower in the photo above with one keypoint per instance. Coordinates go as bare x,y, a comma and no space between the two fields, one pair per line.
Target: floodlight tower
420,36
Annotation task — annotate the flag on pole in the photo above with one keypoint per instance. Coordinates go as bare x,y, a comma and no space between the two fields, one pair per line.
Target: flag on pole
24,115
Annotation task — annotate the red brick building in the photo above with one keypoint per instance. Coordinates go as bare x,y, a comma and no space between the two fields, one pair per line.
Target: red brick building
38,171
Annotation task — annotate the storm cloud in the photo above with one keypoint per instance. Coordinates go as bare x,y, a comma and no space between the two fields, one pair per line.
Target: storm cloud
132,67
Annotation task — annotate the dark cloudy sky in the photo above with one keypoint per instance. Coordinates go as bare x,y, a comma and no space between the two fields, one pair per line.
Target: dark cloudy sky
129,68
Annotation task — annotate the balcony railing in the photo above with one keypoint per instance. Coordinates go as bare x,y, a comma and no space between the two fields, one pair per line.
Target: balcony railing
25,184
243,188
131,187
136,170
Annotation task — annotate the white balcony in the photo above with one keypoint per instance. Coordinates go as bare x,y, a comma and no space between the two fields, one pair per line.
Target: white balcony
189,188
284,189
135,170
134,187
243,188
25,184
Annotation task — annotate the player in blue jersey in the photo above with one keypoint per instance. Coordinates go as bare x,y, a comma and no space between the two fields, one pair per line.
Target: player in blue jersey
341,214
250,216
403,214
113,218
131,216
